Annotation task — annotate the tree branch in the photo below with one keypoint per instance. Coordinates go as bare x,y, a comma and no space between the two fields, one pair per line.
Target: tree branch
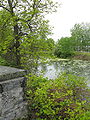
5,8
15,4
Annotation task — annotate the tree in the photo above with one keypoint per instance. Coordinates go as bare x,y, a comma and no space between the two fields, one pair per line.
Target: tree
26,17
81,35
50,46
64,47
35,47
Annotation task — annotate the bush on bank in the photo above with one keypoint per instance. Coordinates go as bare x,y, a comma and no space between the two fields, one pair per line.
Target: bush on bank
65,98
64,47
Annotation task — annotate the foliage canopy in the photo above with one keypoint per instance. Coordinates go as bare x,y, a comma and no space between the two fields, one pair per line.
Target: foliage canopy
24,24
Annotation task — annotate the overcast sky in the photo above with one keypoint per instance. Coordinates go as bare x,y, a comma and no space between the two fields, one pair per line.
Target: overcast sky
69,13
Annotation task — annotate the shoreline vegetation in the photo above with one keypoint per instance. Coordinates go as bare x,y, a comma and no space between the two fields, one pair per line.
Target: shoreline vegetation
85,56
66,97
82,56
76,56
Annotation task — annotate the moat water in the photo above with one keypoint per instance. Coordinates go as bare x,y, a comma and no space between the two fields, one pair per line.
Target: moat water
53,69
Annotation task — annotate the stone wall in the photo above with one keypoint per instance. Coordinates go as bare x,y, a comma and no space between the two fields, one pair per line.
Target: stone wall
12,99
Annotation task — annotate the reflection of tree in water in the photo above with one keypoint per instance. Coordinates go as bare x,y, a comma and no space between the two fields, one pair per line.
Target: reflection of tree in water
79,68
42,68
72,67
58,66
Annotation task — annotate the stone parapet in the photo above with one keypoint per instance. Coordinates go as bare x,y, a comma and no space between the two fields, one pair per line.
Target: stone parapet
12,99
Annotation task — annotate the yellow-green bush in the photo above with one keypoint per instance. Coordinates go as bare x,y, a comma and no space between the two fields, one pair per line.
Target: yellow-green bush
66,98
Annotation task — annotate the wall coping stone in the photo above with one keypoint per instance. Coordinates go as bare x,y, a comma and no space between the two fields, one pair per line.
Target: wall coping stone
7,73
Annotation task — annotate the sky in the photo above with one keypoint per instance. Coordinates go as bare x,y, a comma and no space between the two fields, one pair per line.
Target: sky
69,13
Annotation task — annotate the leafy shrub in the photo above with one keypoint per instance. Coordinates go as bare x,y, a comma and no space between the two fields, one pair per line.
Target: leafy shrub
64,47
5,62
2,61
65,98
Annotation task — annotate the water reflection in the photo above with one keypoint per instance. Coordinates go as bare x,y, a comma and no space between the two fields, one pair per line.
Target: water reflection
52,70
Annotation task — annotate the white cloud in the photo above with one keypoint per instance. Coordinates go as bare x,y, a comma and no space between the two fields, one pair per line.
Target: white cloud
69,13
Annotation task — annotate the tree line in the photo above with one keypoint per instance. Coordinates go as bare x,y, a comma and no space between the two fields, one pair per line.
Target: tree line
79,41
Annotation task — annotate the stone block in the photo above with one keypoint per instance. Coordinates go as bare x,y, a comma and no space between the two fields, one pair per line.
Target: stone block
12,83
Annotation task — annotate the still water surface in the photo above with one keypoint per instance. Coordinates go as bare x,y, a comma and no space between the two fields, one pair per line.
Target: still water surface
53,69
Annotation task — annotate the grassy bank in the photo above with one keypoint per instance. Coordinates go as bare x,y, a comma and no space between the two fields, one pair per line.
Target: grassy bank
82,56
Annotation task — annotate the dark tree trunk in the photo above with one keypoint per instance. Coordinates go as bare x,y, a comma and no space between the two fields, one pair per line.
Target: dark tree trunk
16,35
17,45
